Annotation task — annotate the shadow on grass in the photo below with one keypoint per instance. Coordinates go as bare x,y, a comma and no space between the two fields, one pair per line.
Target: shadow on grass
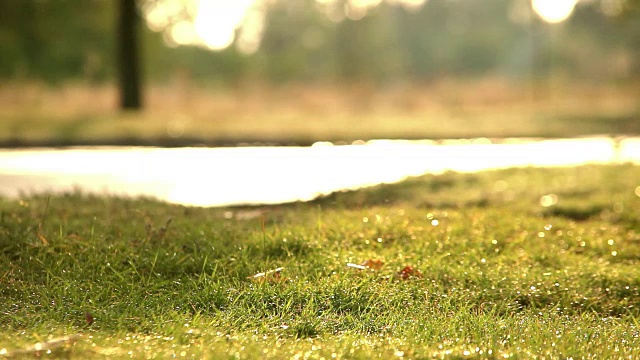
577,213
625,123
449,190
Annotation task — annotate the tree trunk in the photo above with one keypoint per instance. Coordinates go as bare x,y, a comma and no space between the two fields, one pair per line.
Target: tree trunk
128,64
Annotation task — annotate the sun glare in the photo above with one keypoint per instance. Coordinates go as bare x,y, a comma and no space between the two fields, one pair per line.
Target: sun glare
216,24
554,11
264,175
218,20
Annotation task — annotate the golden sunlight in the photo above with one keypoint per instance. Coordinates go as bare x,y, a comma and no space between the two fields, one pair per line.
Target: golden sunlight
213,24
267,175
554,11
216,24
218,20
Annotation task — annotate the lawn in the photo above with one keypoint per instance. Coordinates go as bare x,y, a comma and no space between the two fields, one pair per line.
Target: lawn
301,114
519,263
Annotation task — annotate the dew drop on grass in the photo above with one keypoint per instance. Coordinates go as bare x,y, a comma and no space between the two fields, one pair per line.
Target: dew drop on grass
549,200
618,207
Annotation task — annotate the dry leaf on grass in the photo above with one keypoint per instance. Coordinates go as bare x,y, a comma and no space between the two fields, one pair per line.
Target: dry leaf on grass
408,272
373,264
88,317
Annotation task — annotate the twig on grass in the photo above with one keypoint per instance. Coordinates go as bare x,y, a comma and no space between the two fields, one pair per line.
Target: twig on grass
39,233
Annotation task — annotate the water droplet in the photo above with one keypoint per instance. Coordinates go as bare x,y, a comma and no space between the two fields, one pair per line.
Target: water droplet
610,242
435,222
549,200
614,253
540,234
494,241
365,219
618,207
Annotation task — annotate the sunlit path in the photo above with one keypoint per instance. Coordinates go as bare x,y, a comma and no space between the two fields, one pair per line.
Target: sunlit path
265,175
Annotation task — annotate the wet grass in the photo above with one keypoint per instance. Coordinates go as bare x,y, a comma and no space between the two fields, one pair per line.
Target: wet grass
519,263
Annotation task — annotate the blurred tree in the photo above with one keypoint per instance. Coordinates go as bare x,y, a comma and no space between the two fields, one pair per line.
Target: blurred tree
319,41
128,62
368,49
39,42
294,41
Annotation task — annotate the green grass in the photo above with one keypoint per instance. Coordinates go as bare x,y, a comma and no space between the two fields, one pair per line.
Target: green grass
495,273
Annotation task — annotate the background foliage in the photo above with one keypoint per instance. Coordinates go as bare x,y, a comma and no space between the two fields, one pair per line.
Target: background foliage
53,40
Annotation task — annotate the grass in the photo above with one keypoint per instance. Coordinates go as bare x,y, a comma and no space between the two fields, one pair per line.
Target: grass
180,114
520,263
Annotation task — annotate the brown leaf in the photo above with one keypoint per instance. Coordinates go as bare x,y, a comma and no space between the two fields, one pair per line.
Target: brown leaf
373,264
408,272
367,264
89,318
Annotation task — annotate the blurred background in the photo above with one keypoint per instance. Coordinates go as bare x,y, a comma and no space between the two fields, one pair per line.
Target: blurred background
215,72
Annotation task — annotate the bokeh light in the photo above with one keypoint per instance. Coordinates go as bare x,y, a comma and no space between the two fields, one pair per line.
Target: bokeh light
217,21
554,11
217,24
